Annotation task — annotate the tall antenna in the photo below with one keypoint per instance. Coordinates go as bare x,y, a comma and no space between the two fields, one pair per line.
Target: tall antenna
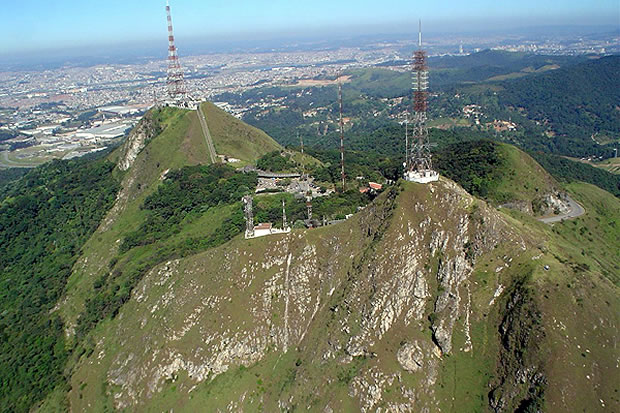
284,224
175,81
341,134
309,205
420,34
249,216
418,167
301,140
406,140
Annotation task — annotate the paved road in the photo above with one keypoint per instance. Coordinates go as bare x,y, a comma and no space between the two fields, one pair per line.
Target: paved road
5,162
207,135
576,210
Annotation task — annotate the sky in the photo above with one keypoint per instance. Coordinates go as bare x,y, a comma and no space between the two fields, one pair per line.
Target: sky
40,25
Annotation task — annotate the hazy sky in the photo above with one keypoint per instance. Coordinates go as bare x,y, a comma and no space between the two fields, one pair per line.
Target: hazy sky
52,24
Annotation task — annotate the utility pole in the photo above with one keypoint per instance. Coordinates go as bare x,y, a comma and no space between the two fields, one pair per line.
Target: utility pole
249,216
341,134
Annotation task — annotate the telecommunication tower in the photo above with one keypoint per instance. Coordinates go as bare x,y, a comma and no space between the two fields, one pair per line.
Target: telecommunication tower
284,223
249,216
418,165
309,205
175,80
341,133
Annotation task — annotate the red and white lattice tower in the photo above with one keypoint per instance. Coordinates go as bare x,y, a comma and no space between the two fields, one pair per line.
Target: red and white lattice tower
176,80
418,165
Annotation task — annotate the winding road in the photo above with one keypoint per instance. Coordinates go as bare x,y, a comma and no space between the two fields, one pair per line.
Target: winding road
576,210
5,162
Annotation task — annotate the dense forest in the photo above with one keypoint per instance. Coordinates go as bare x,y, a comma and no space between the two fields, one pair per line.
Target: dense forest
10,175
577,101
45,218
190,189
566,170
474,165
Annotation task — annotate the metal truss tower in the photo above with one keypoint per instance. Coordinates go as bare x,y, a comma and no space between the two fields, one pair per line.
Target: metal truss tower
309,204
176,80
249,216
341,135
418,165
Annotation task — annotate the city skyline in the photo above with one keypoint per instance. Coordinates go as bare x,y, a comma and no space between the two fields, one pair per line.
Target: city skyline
37,26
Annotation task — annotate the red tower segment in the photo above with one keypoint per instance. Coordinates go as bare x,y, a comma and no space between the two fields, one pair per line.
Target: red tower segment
175,81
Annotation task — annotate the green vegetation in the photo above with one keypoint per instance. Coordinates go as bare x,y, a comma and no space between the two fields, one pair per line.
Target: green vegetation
524,88
275,162
334,206
577,101
45,218
593,238
185,196
7,134
189,190
474,165
10,175
370,166
234,138
497,172
566,170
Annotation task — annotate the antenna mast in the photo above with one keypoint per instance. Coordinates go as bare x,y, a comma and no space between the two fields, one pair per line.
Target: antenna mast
341,134
418,167
175,81
249,216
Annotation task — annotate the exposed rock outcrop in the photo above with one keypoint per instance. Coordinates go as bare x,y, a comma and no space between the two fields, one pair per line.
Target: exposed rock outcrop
146,129
342,297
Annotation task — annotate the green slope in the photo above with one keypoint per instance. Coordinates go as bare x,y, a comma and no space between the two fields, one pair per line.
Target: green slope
235,138
167,307
499,173
315,319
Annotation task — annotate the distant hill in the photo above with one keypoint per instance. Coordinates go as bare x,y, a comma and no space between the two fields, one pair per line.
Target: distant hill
490,65
577,101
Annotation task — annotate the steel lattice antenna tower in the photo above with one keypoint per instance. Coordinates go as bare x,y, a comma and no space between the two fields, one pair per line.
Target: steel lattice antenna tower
418,165
176,80
309,204
341,134
249,216
284,224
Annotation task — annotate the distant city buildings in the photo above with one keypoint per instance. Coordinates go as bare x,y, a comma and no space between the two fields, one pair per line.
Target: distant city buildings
81,109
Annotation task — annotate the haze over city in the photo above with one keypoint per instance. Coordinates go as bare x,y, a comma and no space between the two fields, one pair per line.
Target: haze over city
38,26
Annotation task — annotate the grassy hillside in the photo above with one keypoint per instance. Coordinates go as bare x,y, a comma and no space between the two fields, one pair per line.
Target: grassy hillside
499,173
427,298
325,319
234,138
180,143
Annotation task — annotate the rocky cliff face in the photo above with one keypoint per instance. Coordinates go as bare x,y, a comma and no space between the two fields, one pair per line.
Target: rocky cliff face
366,313
146,129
